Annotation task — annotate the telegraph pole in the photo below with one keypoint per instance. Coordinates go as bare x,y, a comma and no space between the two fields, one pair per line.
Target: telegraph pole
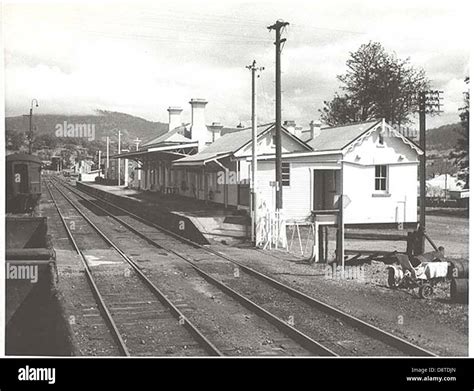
118,160
126,172
107,159
30,134
100,159
137,142
429,101
278,26
253,183
422,109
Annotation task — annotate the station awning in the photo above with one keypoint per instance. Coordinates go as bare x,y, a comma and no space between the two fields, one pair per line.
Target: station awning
146,155
200,160
167,150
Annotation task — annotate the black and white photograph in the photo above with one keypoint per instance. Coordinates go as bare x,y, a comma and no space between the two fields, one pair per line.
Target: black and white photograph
247,179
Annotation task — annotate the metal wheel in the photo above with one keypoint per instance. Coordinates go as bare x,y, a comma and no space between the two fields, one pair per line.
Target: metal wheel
391,278
425,291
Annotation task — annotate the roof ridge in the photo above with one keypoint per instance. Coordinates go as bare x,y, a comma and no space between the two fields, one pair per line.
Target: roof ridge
351,124
259,125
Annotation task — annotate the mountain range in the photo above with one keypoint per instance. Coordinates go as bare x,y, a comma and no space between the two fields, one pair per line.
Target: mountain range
440,141
106,123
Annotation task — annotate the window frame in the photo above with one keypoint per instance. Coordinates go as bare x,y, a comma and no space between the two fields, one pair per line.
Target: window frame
381,177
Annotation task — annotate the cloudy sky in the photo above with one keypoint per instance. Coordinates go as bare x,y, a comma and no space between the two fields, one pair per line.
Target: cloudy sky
141,57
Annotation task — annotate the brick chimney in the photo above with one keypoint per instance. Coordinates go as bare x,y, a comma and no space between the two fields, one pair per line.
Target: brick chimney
290,126
174,117
314,129
215,129
199,131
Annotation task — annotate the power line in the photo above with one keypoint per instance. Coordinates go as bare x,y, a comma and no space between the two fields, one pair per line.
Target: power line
181,21
176,41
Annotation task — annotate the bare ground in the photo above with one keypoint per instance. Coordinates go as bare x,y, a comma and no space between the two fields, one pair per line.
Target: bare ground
435,324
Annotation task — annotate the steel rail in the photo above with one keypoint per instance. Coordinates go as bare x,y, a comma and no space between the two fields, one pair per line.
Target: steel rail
303,339
367,328
90,279
203,341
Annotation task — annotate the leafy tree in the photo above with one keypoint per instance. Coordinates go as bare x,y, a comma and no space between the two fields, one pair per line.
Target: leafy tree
15,139
340,110
45,141
377,84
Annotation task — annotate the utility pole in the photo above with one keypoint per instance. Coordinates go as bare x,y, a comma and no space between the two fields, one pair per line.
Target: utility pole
107,159
137,142
118,160
253,183
30,134
429,102
126,172
422,222
100,159
278,26
446,184
139,171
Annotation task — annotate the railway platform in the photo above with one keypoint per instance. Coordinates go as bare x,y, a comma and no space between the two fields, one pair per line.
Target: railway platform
195,219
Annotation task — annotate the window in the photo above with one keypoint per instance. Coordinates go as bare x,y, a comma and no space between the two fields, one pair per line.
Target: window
380,178
285,174
274,141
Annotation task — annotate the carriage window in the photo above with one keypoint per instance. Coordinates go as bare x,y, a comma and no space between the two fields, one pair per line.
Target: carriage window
285,174
381,178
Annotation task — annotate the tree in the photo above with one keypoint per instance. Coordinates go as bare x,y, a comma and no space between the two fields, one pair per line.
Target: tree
461,154
15,139
341,110
45,141
376,85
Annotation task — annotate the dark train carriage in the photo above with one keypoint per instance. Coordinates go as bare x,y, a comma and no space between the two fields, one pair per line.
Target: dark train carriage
23,184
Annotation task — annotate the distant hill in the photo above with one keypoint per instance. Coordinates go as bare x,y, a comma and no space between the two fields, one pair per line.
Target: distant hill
106,123
440,143
443,138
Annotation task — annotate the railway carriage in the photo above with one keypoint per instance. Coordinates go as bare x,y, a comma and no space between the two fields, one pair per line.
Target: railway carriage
23,186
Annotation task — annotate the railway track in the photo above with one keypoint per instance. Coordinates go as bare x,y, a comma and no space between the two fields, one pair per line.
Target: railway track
155,311
193,253
307,345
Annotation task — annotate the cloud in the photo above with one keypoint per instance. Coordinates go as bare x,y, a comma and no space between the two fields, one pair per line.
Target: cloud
141,57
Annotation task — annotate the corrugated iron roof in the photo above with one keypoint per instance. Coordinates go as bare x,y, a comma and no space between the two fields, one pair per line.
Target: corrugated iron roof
226,144
174,136
337,137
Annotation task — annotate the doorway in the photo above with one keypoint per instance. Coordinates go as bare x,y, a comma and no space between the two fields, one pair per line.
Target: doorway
325,185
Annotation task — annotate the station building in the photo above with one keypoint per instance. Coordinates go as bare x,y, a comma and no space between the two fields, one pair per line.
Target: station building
374,166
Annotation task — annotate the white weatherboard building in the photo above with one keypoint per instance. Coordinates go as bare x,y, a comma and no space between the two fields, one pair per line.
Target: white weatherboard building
375,169
371,164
